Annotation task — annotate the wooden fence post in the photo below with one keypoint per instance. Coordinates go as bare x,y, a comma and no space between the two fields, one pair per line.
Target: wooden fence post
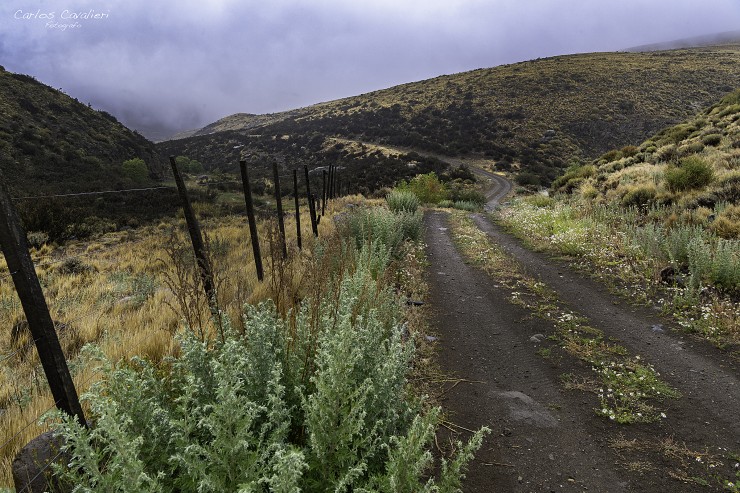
334,181
15,247
323,192
297,208
311,204
204,266
331,180
279,204
252,222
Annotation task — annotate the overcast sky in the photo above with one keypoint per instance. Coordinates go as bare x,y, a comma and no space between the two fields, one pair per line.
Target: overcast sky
186,63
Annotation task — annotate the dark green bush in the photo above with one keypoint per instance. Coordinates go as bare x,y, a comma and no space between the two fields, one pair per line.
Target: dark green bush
528,179
639,196
691,173
712,139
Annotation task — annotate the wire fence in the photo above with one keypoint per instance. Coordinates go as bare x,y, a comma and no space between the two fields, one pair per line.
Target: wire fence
18,351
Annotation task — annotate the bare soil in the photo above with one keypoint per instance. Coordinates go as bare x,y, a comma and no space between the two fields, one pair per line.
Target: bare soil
545,438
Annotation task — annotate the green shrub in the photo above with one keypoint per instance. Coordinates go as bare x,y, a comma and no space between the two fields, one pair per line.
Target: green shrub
693,148
711,139
640,195
315,404
402,201
610,156
135,170
428,188
376,225
528,179
37,239
187,165
446,203
539,200
465,205
573,178
678,133
629,151
725,270
691,173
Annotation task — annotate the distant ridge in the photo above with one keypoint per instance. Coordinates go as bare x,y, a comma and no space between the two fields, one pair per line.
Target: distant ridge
728,37
535,118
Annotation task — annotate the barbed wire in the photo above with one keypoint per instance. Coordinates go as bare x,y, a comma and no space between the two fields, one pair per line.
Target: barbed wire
127,190
29,485
28,425
101,192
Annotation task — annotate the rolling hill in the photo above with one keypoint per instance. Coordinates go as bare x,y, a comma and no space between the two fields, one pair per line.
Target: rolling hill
52,143
689,171
536,117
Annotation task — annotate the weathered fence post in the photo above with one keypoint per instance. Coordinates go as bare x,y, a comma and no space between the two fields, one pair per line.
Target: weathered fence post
297,208
311,204
330,191
279,204
204,266
323,192
335,181
252,223
15,247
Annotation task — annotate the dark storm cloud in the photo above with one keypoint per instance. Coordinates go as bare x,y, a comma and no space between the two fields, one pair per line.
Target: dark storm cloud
187,63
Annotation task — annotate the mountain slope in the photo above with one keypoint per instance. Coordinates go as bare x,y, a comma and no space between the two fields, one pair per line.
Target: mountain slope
536,115
50,142
690,170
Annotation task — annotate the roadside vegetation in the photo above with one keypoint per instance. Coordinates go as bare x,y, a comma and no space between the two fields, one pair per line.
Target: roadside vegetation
628,389
302,382
660,221
455,189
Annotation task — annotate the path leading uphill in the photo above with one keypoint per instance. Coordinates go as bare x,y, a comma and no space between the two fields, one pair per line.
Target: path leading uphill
546,438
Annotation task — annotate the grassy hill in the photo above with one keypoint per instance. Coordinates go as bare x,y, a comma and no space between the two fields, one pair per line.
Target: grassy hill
52,144
690,170
536,117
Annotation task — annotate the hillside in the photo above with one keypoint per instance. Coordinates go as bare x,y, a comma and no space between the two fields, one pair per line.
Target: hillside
691,169
52,143
534,116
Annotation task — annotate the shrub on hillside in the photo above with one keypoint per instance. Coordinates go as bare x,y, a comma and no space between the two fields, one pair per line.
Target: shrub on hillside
693,148
712,139
573,178
727,223
639,196
402,201
427,187
691,173
528,179
135,170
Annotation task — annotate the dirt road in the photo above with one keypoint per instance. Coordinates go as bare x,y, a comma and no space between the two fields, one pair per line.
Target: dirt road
546,438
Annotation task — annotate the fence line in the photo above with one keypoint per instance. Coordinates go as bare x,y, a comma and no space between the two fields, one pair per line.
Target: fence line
59,401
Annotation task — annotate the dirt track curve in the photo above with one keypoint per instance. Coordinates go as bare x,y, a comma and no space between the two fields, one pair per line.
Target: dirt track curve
544,437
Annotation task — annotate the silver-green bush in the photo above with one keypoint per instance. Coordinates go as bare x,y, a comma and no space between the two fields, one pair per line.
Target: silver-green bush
402,201
317,404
